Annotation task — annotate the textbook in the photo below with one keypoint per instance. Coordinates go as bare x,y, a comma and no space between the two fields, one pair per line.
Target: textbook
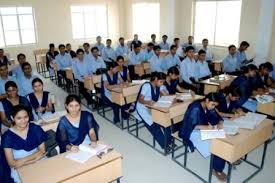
212,134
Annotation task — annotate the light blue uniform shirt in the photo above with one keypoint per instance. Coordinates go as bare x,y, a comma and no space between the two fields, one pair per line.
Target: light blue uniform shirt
272,74
17,71
202,69
88,56
241,56
156,63
107,92
108,53
100,47
82,69
184,45
188,69
171,60
63,61
25,85
209,54
147,54
135,59
3,82
122,50
230,63
97,63
164,46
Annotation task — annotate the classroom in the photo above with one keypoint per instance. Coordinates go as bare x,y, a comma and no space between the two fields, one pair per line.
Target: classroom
137,91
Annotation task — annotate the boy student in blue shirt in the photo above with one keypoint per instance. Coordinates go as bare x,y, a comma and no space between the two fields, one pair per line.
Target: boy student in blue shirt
153,39
135,57
99,45
164,45
148,52
97,62
17,71
230,64
108,53
81,69
63,61
122,49
50,58
203,71
189,43
135,41
4,78
3,58
172,59
87,53
70,51
155,61
240,54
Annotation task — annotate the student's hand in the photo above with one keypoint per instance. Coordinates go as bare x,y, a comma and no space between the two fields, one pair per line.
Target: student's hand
240,112
74,148
93,144
211,127
40,109
151,103
220,126
19,163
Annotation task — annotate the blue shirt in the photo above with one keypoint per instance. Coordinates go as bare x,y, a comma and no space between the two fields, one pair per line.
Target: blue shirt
17,71
164,46
82,68
202,69
108,54
147,54
3,82
241,56
99,47
63,61
97,63
25,85
188,69
171,60
156,63
209,54
122,50
88,56
135,59
230,63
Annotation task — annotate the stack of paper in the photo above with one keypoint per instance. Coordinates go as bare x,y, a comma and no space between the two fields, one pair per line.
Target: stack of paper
185,96
230,130
264,98
139,82
165,101
212,134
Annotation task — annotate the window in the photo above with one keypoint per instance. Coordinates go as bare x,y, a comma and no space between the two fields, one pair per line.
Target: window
89,21
218,21
146,19
16,26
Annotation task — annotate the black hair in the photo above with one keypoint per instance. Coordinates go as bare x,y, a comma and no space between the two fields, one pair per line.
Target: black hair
21,55
204,40
150,44
164,36
153,35
51,45
231,46
2,65
119,57
10,84
176,39
94,48
112,65
108,40
244,43
68,44
86,44
16,109
156,47
212,97
250,67
70,98
25,64
190,37
37,80
1,49
158,76
173,70
269,66
230,90
79,50
201,52
61,45
136,45
121,38
173,46
188,48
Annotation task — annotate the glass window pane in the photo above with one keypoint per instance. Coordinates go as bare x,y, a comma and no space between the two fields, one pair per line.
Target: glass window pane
90,24
12,37
2,43
77,25
26,22
10,22
76,9
24,10
101,21
28,36
8,11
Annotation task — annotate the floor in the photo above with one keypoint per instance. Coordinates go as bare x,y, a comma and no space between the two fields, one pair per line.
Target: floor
142,164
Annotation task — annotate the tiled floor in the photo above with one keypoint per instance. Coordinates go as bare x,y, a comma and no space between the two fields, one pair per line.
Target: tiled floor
142,164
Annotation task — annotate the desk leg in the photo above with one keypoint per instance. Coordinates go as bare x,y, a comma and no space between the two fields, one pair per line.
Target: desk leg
264,153
229,172
118,180
210,168
165,142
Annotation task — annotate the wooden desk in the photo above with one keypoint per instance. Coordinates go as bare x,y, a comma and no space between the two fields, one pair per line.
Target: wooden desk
60,169
52,124
214,84
125,95
69,74
142,69
268,108
218,65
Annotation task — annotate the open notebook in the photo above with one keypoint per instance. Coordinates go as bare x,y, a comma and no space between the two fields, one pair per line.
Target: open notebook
86,152
165,101
212,134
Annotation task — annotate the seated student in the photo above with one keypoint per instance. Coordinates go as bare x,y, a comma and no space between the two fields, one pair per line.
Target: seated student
153,39
164,45
209,54
76,127
134,42
135,57
171,84
109,80
122,49
63,61
24,142
70,51
5,172
179,51
261,81
230,64
97,62
203,71
188,70
40,100
172,59
99,45
148,52
4,78
189,43
3,58
156,62
12,100
17,71
123,70
87,53
197,117
50,58
240,54
108,53
242,82
149,93
25,82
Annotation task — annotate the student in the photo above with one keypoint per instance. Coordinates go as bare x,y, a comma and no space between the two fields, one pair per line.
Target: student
172,59
164,45
203,71
135,57
153,39
155,61
50,58
87,53
12,100
148,52
5,172
63,61
240,54
70,51
189,43
122,49
3,58
188,70
76,127
97,62
180,51
17,71
123,70
40,100
82,68
209,54
100,46
24,142
109,80
171,84
197,117
230,64
135,41
149,93
4,78
243,83
108,53
25,82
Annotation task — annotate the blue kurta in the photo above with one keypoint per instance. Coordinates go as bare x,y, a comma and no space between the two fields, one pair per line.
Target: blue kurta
243,84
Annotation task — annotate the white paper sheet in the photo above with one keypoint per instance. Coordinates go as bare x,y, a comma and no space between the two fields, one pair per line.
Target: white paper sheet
212,134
